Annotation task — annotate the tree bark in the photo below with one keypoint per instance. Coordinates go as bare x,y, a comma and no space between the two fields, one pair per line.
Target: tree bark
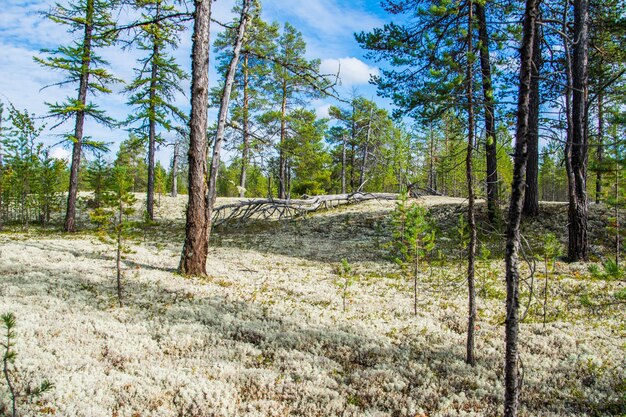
152,127
245,153
223,113
70,214
491,149
578,244
174,191
282,175
196,246
511,373
531,195
600,150
471,221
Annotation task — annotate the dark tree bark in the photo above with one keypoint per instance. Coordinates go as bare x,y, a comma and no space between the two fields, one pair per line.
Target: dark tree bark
223,112
511,374
471,220
578,244
196,247
245,153
531,195
491,149
70,214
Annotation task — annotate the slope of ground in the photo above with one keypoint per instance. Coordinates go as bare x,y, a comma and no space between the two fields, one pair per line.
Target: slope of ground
265,334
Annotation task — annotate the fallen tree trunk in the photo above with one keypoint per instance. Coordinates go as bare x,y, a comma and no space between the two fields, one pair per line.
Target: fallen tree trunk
280,209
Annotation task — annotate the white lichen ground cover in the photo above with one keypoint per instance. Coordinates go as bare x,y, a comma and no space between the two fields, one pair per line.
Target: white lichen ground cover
265,335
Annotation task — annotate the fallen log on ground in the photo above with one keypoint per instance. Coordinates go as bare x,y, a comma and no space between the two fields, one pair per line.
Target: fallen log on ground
278,209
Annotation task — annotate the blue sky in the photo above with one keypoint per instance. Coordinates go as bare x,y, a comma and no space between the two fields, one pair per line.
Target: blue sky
327,26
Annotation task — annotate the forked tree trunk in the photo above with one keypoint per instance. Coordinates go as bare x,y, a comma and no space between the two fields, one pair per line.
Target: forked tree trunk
70,214
491,149
511,372
471,221
196,247
531,195
223,113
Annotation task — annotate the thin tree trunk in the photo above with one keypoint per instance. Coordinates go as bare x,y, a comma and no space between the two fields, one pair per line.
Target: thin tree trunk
600,150
282,175
152,127
118,254
471,221
343,164
578,210
70,215
531,195
245,155
196,247
223,113
366,149
491,149
174,191
511,372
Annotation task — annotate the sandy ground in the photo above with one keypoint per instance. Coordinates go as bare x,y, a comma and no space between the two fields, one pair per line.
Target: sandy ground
265,334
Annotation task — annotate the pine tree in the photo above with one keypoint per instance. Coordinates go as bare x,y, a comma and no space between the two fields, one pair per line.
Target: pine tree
158,79
85,69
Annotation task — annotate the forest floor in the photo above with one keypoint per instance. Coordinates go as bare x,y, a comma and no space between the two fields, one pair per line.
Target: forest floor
266,335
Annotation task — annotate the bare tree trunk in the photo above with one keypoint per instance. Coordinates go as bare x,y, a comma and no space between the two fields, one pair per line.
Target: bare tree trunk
471,221
118,254
196,247
245,153
223,113
600,151
511,372
366,149
491,149
282,175
531,195
175,157
578,210
343,164
70,215
152,128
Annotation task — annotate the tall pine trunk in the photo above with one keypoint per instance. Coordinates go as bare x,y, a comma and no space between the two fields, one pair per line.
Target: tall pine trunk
491,149
70,214
152,127
282,158
223,113
578,207
245,153
196,247
511,371
531,195
471,220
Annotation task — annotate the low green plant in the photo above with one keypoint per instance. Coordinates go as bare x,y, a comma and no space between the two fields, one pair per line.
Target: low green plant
112,218
10,373
345,279
413,238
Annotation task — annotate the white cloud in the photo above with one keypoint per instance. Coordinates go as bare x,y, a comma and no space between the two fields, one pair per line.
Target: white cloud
352,71
321,111
60,153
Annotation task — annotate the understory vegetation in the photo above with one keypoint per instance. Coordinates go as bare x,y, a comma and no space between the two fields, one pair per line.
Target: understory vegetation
290,323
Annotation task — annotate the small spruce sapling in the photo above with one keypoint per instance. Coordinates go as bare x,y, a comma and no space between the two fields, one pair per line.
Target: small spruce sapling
112,218
552,249
413,239
9,371
345,279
